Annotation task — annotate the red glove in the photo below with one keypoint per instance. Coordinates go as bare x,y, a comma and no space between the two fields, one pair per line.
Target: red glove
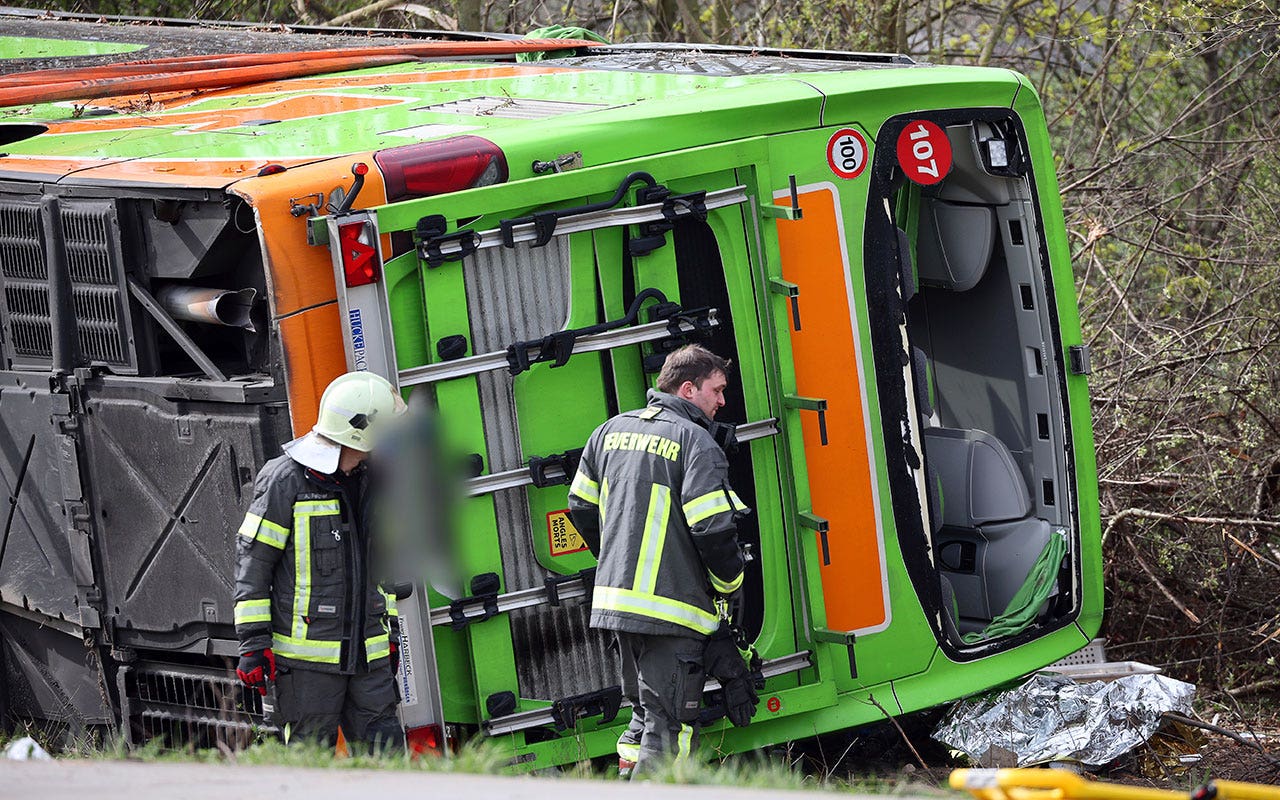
395,658
256,668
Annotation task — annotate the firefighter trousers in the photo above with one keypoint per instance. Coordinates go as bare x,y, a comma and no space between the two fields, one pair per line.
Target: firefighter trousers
313,704
662,677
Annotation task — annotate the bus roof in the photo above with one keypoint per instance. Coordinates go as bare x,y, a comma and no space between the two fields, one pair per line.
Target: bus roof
211,138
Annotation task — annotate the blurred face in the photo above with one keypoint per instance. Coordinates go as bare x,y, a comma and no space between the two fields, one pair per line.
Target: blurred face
709,396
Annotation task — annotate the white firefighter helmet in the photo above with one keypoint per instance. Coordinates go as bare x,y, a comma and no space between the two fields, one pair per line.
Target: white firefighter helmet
354,409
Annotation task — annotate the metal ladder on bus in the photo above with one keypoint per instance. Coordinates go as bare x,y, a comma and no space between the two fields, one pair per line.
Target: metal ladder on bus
366,318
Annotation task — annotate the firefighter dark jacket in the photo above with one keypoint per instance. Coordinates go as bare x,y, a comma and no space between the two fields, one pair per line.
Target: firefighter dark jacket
651,499
303,585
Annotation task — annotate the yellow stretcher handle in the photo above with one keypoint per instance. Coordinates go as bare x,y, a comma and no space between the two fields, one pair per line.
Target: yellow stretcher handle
1058,784
1054,784
1235,790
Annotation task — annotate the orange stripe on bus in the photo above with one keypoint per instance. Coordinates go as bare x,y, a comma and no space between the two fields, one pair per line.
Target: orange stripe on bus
300,278
279,109
314,83
841,489
213,173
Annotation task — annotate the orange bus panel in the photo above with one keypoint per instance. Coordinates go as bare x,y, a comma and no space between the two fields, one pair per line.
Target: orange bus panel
826,355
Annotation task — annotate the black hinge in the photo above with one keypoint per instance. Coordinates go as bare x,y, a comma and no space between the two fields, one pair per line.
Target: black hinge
1079,357
431,234
554,582
566,461
484,590
653,235
566,711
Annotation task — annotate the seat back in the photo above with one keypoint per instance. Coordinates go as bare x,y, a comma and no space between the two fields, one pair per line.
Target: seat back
988,541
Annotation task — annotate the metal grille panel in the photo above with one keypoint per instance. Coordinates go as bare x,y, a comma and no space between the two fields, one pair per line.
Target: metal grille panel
97,311
21,255
184,706
91,241
30,333
518,294
25,277
95,263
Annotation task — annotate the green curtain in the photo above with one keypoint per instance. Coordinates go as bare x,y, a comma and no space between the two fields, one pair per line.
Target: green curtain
1025,605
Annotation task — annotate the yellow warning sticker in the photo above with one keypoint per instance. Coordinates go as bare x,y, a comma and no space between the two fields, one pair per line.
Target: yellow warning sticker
564,538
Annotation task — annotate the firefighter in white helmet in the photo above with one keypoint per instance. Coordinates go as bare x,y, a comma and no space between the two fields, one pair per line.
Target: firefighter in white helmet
313,623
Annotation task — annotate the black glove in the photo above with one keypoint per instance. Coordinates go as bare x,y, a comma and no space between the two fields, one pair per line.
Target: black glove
256,667
725,663
740,700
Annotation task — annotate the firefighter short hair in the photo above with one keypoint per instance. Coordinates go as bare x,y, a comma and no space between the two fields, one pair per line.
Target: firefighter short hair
690,363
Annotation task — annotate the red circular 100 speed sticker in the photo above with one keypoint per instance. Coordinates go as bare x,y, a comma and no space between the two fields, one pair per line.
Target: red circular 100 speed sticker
847,153
924,152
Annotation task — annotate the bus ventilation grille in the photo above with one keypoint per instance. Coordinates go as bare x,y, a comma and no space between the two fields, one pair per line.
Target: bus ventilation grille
92,244
184,706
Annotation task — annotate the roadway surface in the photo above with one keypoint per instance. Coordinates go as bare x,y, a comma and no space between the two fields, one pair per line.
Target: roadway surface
125,780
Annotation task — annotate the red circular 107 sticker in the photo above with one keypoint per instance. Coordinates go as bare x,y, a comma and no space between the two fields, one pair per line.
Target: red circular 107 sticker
924,152
847,153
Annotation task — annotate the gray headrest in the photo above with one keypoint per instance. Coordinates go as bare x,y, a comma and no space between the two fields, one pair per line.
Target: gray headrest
955,244
980,480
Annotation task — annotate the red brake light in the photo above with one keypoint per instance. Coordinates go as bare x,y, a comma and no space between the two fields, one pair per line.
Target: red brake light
439,167
426,739
359,257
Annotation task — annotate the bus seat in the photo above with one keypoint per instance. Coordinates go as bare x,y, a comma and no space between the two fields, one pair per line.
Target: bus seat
926,391
954,244
989,541
922,375
906,267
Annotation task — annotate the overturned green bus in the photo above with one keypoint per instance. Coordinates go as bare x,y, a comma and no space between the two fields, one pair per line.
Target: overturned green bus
876,243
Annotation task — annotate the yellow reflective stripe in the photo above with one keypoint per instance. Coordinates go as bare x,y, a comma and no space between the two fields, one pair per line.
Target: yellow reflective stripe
630,752
301,573
313,508
249,528
684,742
604,500
585,488
708,505
303,512
655,607
247,611
723,587
738,505
319,651
653,540
275,535
376,647
264,530
392,609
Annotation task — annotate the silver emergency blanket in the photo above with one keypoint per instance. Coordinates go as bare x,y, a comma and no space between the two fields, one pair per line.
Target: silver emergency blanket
1053,718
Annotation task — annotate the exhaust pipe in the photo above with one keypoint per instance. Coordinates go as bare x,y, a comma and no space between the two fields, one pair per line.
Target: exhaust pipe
229,307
